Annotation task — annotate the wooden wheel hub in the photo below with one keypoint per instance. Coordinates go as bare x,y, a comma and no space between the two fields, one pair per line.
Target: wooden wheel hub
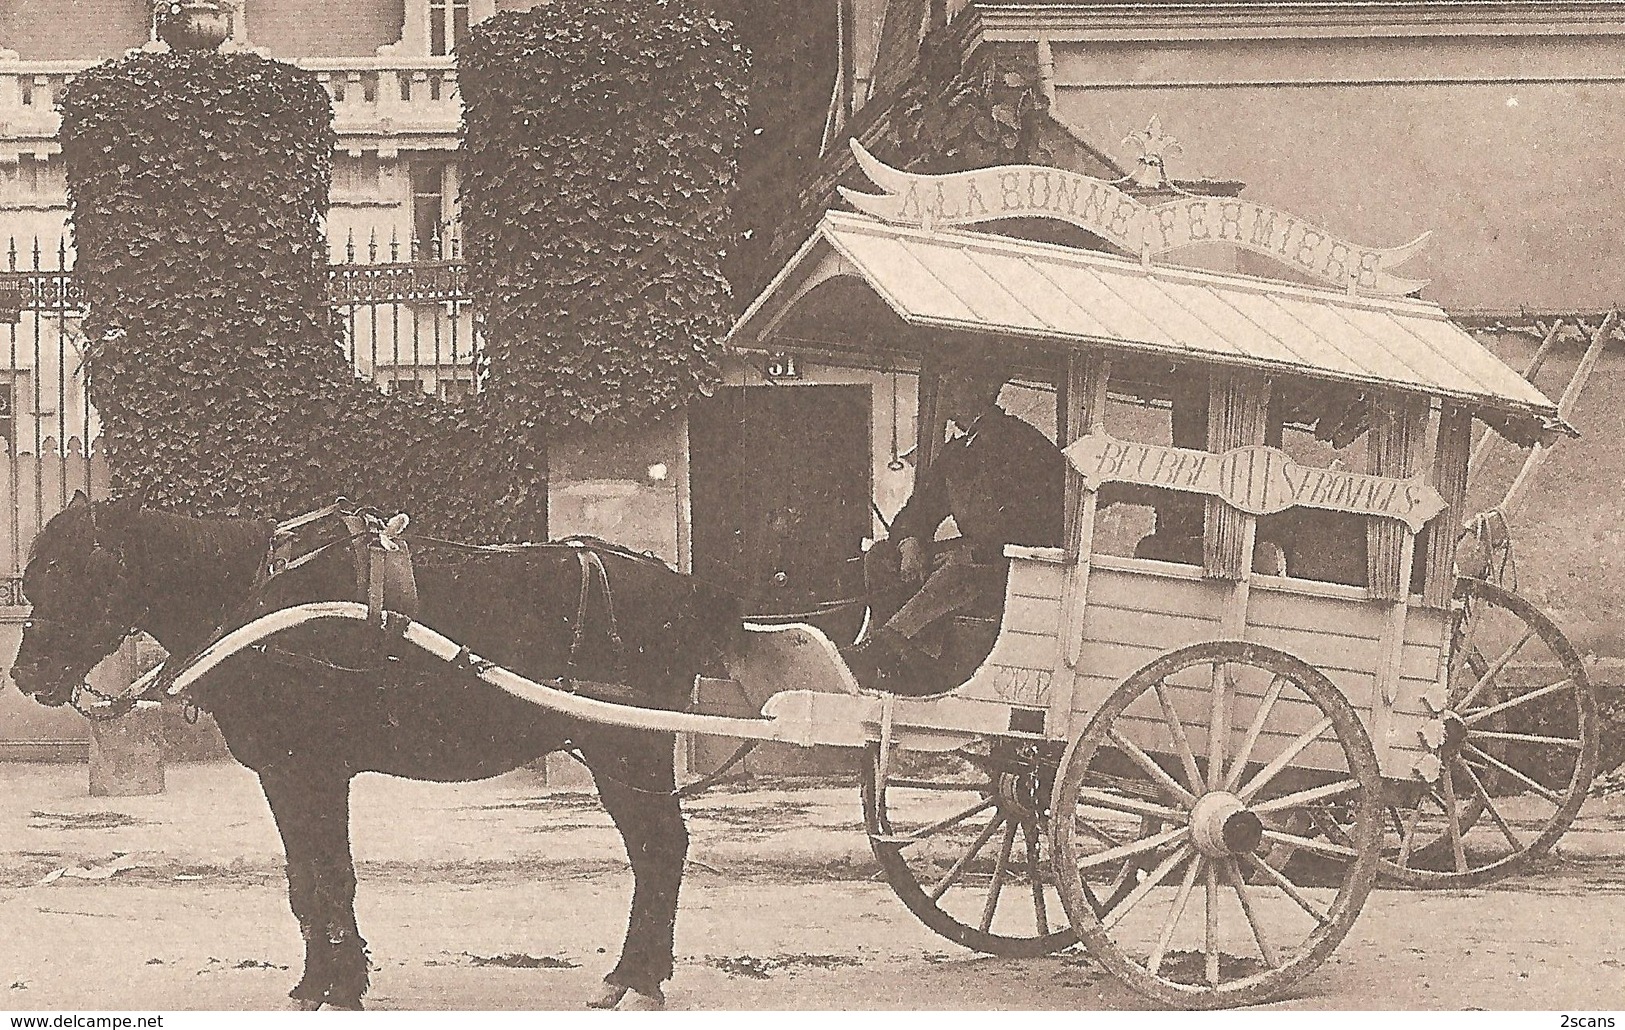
1455,733
1221,826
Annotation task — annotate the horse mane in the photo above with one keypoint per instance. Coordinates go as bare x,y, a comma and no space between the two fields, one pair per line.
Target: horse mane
172,533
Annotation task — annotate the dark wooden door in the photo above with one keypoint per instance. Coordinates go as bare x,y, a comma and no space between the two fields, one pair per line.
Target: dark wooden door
780,485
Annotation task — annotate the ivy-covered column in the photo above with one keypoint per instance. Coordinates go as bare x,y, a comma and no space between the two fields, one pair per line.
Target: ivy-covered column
198,182
598,169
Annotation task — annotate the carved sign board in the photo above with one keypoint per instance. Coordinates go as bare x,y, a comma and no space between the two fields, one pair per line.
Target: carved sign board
1256,480
1034,191
13,298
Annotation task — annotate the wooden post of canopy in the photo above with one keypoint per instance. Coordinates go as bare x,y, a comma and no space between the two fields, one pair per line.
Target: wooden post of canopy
928,424
1238,410
1238,414
1081,404
1565,409
1394,449
1450,468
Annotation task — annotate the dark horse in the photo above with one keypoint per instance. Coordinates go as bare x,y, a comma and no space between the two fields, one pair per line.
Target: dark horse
318,704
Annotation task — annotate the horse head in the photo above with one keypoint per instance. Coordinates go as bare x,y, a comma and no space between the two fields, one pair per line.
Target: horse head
84,597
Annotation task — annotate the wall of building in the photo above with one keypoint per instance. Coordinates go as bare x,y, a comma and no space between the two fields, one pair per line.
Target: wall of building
67,29
1500,147
309,28
624,485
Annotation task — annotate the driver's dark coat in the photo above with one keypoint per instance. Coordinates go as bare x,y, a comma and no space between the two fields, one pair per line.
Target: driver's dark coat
1002,482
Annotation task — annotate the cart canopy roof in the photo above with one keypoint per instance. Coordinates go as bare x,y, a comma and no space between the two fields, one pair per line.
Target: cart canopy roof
969,282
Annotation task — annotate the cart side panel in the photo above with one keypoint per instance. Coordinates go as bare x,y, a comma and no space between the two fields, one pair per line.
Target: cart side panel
1021,667
1343,637
1422,674
1134,617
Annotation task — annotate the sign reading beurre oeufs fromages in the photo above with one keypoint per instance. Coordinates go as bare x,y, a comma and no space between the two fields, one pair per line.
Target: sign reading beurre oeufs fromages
1257,480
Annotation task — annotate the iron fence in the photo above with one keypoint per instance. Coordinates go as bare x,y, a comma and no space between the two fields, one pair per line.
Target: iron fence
407,324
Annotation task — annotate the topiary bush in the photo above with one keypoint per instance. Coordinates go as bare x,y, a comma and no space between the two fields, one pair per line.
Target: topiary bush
198,183
598,167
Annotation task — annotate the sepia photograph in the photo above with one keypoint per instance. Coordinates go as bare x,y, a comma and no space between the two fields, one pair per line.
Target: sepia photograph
806,506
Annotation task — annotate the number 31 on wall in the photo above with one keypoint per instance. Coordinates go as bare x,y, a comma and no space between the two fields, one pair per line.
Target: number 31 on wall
781,366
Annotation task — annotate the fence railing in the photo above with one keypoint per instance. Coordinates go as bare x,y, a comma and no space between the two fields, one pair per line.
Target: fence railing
407,323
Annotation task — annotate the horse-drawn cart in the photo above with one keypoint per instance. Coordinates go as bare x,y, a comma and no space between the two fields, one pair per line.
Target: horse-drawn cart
1250,683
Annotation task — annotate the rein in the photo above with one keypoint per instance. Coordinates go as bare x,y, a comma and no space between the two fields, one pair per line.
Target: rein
280,560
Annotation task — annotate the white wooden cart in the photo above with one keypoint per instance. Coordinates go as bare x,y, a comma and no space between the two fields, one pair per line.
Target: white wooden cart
1193,748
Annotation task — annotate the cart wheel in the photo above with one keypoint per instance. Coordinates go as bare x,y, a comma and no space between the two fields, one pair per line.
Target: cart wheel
1519,749
963,838
1186,813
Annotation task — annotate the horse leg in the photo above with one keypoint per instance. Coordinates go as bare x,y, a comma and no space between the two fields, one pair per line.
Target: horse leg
637,781
311,806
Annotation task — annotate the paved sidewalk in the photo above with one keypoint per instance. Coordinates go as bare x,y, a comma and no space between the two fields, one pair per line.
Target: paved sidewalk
212,822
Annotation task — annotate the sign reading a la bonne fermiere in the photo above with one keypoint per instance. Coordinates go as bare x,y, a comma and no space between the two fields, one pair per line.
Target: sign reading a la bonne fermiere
1034,191
1257,480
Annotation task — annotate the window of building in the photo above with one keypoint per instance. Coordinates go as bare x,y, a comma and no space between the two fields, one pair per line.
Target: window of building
448,25
431,210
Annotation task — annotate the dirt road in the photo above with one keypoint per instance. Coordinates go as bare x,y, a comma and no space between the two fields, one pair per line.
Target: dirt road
500,896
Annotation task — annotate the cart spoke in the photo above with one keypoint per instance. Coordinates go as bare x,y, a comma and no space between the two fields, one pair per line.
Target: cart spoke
1122,803
1479,715
1452,814
1176,729
1287,887
925,833
1000,868
1534,785
1489,806
1210,879
1319,847
1181,900
1296,748
1138,847
1233,873
1096,832
1145,886
1218,725
1035,872
1407,837
1306,797
1265,706
952,876
1151,768
1494,669
1529,738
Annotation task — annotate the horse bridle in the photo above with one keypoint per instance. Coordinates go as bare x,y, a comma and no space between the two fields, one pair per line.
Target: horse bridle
106,628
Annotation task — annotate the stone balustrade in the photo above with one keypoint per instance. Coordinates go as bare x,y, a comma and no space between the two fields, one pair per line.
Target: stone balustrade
380,104
28,96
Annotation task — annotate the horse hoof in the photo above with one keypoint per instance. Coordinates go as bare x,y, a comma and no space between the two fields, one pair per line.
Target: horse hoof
608,997
636,1001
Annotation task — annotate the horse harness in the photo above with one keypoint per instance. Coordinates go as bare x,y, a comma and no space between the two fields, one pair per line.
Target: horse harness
385,581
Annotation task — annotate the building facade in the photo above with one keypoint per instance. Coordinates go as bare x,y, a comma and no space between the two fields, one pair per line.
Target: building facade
1482,123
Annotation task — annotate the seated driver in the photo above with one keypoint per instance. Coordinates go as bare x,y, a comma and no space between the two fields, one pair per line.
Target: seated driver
1002,482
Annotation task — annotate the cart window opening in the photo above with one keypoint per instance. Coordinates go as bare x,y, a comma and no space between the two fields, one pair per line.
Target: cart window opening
1328,430
1135,521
